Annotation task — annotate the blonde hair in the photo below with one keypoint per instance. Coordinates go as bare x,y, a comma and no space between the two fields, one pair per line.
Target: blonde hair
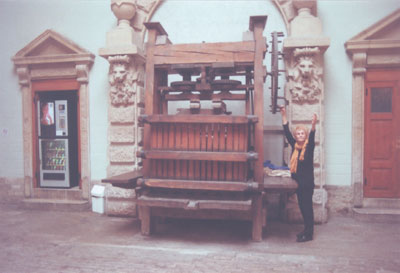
298,128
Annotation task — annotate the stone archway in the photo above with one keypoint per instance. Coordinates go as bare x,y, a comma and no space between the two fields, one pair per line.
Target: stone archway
304,40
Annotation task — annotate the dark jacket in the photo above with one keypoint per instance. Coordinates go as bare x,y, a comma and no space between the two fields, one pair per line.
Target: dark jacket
305,169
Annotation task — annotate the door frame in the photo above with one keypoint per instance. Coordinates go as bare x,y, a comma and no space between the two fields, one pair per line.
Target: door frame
68,61
381,78
51,86
376,47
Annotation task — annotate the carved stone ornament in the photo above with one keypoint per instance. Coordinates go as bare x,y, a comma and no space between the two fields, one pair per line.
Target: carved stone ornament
305,76
123,79
82,73
23,76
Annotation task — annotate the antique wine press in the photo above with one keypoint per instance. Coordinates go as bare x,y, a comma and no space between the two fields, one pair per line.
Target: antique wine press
205,163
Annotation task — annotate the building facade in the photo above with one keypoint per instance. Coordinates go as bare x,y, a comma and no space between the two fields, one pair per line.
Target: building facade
340,60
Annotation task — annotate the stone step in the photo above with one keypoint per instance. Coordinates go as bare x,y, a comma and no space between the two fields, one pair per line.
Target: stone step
384,203
60,194
55,204
384,215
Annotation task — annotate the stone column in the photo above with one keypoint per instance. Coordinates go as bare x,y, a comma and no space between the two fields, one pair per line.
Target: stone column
303,51
359,70
124,52
24,81
82,71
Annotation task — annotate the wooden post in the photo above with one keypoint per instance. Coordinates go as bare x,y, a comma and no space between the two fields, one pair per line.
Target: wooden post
151,107
257,24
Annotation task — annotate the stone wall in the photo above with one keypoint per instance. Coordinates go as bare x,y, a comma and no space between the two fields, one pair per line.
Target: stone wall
11,189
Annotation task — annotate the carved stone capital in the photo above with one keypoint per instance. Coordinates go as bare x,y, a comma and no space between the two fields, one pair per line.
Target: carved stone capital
125,77
23,76
82,73
359,63
305,75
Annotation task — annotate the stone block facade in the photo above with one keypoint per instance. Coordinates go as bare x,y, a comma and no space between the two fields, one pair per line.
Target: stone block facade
11,189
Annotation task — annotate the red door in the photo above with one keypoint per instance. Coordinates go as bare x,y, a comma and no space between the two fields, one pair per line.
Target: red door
382,134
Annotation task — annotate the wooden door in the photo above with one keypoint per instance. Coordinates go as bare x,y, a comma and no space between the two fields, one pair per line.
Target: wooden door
382,134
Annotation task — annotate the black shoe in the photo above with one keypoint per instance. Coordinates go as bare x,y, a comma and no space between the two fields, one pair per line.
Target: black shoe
304,238
300,234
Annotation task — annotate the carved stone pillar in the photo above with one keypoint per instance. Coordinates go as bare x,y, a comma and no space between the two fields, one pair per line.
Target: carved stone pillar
24,82
359,70
303,51
124,52
82,71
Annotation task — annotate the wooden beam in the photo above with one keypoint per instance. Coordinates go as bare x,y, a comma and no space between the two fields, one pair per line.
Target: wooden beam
220,119
198,184
188,204
193,155
204,53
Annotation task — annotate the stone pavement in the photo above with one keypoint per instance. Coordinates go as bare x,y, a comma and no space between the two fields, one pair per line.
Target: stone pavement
53,241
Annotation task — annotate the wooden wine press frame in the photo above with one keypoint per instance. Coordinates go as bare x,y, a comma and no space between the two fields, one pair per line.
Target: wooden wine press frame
203,163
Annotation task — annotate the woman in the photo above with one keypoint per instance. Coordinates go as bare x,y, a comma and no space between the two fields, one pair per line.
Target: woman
47,118
302,171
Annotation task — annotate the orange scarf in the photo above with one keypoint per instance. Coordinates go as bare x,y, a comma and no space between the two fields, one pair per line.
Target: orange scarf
295,156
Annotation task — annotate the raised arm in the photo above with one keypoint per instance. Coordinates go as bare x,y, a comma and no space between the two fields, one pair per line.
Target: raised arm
286,130
283,113
313,122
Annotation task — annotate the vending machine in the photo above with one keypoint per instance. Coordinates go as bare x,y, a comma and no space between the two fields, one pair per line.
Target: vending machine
57,139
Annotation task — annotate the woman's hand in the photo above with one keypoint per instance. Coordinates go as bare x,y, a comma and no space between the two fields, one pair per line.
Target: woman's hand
283,113
314,121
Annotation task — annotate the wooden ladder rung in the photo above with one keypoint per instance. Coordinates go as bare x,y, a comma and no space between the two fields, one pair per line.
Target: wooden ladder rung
198,184
195,155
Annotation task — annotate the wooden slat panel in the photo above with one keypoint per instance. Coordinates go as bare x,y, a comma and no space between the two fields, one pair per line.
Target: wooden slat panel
160,164
210,140
203,147
242,147
215,166
200,185
184,147
178,143
236,140
222,148
197,143
240,52
229,148
191,144
171,146
221,119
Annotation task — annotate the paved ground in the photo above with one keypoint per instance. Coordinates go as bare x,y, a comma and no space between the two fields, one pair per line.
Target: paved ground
50,241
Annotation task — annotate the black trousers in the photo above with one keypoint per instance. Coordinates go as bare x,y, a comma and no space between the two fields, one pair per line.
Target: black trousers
304,197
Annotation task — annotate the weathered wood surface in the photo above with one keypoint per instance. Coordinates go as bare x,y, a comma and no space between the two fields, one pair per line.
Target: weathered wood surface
239,52
228,157
207,119
126,180
205,96
181,150
198,185
194,204
200,214
276,183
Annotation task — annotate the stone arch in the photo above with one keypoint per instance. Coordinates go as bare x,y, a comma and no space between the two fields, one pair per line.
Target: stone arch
285,8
